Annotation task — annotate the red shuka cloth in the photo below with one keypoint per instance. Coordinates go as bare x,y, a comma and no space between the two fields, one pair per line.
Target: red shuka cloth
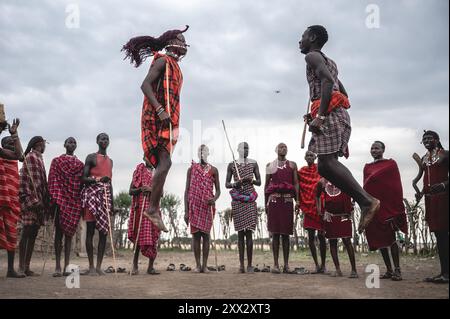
308,177
200,190
64,186
152,134
382,181
9,204
148,233
337,100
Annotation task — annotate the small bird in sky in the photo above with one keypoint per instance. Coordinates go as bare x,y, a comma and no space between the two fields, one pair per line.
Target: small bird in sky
277,91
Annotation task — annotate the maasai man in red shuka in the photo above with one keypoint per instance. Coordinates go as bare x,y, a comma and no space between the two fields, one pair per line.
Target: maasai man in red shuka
435,165
308,177
34,200
64,186
329,121
10,153
161,109
280,191
199,204
382,180
97,202
143,228
336,208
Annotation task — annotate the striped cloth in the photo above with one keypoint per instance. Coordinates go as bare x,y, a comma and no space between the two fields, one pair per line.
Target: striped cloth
315,84
200,191
64,186
93,198
9,204
152,134
148,233
33,190
245,215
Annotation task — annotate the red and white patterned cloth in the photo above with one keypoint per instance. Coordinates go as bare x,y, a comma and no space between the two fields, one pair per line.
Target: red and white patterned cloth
93,198
9,204
200,191
33,190
148,233
64,186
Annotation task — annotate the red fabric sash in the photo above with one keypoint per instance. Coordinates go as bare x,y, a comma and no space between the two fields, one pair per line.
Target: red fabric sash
337,100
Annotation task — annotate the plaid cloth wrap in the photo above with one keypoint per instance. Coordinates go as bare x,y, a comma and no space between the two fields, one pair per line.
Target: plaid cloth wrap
335,134
149,233
152,134
9,204
308,177
93,198
200,191
245,215
64,186
315,84
33,190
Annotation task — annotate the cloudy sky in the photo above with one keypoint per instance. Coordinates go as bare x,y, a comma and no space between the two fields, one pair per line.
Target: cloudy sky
66,77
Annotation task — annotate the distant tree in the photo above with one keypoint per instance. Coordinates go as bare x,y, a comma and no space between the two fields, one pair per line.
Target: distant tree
122,204
170,206
225,219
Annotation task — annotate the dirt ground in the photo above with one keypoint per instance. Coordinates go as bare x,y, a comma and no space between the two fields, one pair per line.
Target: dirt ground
228,283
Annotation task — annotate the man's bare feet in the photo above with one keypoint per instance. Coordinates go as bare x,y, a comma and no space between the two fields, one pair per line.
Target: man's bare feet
197,270
100,272
337,273
353,274
89,272
14,274
367,214
156,220
134,271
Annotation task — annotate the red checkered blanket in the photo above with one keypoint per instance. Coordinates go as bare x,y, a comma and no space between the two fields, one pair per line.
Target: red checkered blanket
148,233
64,186
200,190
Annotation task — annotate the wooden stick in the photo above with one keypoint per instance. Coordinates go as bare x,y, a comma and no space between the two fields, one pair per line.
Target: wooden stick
168,108
136,242
214,239
231,149
110,229
304,127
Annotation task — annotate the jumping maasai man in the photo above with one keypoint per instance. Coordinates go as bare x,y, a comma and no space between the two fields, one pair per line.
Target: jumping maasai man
243,205
161,109
64,186
34,200
435,165
148,233
10,153
97,175
280,190
329,121
308,177
336,211
382,180
199,204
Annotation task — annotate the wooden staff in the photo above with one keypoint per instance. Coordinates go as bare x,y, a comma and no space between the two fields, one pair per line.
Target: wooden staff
110,229
418,161
214,239
231,149
136,242
168,108
304,127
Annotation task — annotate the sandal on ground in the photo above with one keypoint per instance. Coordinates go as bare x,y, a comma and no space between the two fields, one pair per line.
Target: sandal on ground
153,271
256,269
275,270
387,275
301,271
222,268
441,280
287,270
265,269
121,270
109,270
397,275
171,267
30,273
431,279
183,267
57,274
